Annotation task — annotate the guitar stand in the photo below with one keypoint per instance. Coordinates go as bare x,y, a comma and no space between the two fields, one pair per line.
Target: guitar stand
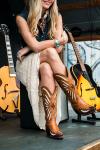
2,117
93,117
78,120
17,112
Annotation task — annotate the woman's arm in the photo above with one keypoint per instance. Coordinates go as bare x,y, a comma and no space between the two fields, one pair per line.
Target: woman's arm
31,41
60,33
59,28
22,52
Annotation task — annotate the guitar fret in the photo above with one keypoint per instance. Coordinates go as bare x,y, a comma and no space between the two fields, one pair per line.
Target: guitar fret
9,56
7,43
9,52
8,46
12,71
10,61
11,66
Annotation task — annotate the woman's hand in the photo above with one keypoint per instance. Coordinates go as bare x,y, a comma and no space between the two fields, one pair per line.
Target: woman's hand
20,55
22,52
63,40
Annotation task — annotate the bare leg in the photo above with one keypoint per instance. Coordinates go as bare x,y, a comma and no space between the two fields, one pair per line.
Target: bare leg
47,78
51,56
49,96
66,83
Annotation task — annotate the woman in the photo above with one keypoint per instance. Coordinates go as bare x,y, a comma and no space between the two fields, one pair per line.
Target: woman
41,28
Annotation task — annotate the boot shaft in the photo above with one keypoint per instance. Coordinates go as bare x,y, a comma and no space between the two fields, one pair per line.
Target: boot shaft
78,104
50,108
50,103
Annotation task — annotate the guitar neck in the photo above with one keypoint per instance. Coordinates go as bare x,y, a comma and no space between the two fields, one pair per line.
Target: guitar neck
77,53
84,71
10,58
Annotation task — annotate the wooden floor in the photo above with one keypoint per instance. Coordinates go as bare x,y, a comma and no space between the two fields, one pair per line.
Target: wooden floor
92,146
13,137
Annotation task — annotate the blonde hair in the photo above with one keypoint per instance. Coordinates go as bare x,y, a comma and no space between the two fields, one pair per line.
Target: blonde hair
35,13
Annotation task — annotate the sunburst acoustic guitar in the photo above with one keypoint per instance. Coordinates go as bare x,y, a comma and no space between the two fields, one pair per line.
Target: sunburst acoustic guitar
82,74
9,92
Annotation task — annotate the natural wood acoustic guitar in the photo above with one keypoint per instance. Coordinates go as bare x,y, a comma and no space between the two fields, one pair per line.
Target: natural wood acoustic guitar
9,92
82,74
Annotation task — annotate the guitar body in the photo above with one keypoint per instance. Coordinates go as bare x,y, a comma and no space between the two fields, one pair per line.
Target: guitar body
89,92
9,92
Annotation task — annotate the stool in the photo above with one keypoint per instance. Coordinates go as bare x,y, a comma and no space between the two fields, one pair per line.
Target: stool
26,116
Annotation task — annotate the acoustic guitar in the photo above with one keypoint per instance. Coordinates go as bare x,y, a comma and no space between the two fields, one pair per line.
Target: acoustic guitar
9,92
82,74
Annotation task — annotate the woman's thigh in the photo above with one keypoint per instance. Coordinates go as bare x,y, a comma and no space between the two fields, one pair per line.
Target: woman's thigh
43,56
49,54
46,76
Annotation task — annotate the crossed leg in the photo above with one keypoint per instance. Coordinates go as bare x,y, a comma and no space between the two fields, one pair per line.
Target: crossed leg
51,56
64,79
49,94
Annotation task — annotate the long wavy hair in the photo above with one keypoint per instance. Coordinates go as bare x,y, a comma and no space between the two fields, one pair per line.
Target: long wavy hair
35,14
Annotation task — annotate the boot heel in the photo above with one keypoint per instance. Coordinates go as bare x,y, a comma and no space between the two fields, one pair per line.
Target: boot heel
53,135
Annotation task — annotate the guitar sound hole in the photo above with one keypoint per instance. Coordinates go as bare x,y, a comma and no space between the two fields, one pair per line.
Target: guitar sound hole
0,82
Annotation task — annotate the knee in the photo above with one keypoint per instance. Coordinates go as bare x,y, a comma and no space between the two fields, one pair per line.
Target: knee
52,54
45,70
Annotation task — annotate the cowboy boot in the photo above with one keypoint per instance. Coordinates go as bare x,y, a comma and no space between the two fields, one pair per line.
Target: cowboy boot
50,108
78,104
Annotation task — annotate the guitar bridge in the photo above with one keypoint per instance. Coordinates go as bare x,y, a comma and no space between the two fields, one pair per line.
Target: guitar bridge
90,89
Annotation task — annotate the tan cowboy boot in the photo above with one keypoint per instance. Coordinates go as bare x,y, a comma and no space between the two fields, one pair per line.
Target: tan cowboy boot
78,104
50,107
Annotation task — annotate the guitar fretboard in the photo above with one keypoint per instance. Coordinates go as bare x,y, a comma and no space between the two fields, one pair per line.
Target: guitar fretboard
10,58
77,53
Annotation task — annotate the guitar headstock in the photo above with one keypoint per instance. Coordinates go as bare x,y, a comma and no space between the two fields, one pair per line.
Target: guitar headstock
4,29
66,28
67,31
